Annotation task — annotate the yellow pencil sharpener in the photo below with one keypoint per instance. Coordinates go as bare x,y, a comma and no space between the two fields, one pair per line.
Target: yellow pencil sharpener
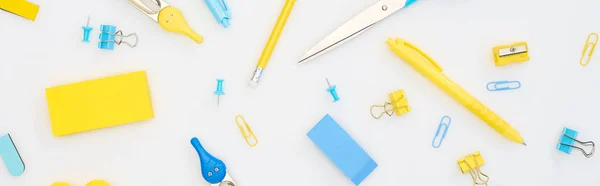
515,53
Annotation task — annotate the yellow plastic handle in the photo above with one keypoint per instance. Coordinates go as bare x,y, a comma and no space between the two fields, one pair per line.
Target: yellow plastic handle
171,19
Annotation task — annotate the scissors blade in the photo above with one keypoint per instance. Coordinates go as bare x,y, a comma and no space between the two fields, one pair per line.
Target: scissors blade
355,26
227,180
149,8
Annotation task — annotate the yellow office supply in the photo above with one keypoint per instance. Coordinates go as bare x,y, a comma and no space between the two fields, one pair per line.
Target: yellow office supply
167,16
250,138
472,164
99,103
506,54
398,104
92,183
430,69
590,44
21,8
270,46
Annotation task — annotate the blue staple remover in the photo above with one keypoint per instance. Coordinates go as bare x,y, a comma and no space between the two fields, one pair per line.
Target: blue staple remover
213,169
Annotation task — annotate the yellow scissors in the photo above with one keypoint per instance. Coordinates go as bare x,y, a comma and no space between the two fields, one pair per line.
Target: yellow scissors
168,17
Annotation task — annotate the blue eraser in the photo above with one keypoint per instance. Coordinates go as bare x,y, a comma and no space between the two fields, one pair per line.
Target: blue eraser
566,140
342,150
11,156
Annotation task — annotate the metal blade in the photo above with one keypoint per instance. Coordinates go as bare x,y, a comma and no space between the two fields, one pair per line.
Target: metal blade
357,25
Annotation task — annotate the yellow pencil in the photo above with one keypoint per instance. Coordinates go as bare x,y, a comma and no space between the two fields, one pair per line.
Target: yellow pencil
270,46
430,69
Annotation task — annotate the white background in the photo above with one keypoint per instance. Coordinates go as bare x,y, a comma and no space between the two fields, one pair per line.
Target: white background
291,98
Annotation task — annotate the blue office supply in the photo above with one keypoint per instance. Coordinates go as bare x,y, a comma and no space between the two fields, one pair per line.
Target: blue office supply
568,139
342,150
503,85
107,37
220,10
445,122
219,90
213,169
332,91
86,31
10,155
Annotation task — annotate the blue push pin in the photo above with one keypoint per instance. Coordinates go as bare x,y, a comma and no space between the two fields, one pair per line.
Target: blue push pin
332,91
219,90
86,31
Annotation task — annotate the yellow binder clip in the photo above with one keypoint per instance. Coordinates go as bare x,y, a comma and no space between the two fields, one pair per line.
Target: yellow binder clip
398,104
250,138
588,43
506,54
21,8
472,164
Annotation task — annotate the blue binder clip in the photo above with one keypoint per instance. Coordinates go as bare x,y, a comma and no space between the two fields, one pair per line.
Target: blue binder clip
568,138
503,85
109,36
220,10
444,124
10,155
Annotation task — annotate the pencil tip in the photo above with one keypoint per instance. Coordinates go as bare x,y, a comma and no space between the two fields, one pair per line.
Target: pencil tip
524,144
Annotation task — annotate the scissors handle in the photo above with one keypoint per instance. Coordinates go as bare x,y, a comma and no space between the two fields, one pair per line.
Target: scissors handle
213,169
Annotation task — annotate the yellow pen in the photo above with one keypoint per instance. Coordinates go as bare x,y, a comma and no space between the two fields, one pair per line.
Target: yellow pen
430,69
270,46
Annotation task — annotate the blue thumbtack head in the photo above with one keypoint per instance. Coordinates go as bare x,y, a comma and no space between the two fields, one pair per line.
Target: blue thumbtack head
332,91
220,10
219,90
86,31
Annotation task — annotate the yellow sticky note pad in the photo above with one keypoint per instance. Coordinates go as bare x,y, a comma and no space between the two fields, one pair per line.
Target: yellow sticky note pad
20,7
99,103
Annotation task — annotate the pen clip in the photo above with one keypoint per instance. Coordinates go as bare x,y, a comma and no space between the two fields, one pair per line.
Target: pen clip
410,45
220,10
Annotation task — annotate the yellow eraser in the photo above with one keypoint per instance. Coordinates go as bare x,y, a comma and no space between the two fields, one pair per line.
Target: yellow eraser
506,54
470,162
20,7
99,103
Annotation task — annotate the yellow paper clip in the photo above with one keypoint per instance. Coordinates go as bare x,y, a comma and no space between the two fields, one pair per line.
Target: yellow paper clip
506,54
585,49
247,136
21,8
398,104
472,164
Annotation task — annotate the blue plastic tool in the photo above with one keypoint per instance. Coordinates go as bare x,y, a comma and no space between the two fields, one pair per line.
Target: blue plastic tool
107,37
10,155
213,169
445,122
219,90
503,85
220,10
332,91
86,31
342,150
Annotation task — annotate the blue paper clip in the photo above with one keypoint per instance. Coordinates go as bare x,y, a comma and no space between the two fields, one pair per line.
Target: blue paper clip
568,138
220,10
446,125
503,85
